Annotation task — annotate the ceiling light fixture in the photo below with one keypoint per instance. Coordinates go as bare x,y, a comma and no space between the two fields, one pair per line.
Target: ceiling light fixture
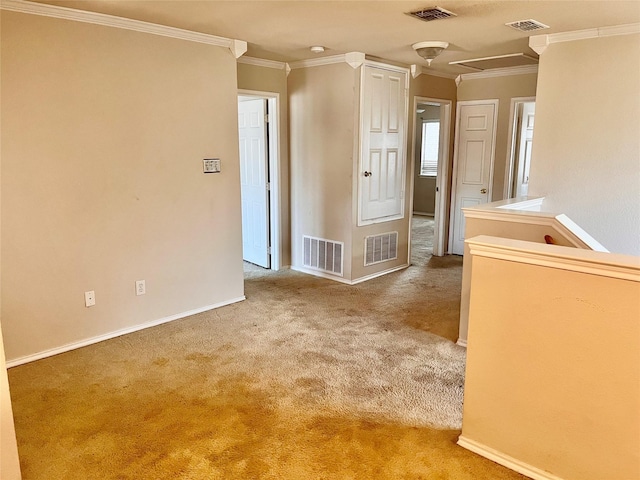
317,49
429,50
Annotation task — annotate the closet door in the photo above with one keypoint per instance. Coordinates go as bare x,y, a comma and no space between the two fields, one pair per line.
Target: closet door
383,125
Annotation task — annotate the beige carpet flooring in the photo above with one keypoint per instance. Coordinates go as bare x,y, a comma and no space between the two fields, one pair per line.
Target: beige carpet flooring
306,379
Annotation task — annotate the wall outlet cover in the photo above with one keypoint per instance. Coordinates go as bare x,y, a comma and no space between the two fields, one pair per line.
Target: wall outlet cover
89,298
141,288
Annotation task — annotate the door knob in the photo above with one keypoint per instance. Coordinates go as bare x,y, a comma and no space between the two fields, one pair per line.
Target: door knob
484,190
367,174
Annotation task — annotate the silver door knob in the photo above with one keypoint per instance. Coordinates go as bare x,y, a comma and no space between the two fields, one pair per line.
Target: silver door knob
484,190
367,174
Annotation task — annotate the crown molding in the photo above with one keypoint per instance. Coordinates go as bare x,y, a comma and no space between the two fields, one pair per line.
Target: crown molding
539,43
261,62
237,47
417,70
497,72
354,59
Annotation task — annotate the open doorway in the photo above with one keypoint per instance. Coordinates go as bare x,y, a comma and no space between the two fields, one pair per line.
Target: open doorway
521,126
430,155
259,178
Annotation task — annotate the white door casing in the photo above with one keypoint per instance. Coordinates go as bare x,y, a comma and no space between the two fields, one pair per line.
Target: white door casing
254,181
473,163
383,119
523,148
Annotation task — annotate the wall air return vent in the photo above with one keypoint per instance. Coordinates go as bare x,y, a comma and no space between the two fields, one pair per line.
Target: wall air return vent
323,255
380,248
432,13
527,25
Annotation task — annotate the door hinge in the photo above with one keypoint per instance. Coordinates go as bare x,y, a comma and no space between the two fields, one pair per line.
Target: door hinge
268,250
266,118
268,186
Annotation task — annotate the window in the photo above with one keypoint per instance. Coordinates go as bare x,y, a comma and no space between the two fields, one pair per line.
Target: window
430,148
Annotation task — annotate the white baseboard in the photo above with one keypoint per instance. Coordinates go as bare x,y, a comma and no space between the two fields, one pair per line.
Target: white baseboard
117,333
462,342
317,273
505,460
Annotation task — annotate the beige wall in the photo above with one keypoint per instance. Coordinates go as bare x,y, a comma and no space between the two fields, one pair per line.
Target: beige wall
552,374
503,89
104,131
263,79
9,461
322,112
586,147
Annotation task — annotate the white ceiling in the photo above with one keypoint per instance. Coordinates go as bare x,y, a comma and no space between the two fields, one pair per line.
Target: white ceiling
284,30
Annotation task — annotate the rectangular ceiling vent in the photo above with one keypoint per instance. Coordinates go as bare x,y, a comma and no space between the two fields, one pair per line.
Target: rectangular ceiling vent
527,25
323,255
432,13
380,248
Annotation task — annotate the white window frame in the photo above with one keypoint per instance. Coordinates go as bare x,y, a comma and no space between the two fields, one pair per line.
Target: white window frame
431,164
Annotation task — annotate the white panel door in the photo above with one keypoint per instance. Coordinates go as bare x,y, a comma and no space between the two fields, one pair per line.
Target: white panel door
525,141
474,162
383,158
254,181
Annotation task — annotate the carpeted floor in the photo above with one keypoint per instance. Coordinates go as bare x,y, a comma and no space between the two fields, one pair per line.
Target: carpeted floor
306,379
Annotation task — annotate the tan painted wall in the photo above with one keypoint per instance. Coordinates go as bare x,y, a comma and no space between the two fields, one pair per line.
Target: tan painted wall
9,461
322,112
503,229
263,79
552,373
104,131
504,89
586,147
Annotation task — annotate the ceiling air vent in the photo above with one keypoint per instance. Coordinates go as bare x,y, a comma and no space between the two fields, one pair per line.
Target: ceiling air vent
432,13
527,25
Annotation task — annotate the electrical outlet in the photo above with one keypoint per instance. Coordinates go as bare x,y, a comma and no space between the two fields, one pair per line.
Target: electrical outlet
141,289
89,298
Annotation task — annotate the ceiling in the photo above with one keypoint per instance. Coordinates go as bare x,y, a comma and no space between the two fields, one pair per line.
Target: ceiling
284,30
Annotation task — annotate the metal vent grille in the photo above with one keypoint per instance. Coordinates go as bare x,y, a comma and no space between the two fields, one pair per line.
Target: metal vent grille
527,25
380,248
321,254
432,13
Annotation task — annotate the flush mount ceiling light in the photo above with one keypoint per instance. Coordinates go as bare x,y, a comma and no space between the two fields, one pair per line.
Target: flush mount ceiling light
429,50
317,49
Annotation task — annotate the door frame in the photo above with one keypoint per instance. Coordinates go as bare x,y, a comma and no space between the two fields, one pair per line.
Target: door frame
273,129
456,149
511,144
442,179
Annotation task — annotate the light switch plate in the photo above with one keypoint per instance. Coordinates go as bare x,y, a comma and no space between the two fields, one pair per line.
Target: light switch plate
211,165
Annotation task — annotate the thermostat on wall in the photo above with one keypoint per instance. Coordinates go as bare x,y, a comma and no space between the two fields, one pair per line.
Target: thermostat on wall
211,165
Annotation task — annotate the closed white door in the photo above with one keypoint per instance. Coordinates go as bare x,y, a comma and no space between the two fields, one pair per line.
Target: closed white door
525,141
474,162
383,157
254,180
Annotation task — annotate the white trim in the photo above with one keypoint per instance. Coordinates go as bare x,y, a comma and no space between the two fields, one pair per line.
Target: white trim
624,267
350,58
116,333
442,178
237,47
417,70
317,273
539,43
261,62
505,460
454,179
498,72
461,342
275,162
511,143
